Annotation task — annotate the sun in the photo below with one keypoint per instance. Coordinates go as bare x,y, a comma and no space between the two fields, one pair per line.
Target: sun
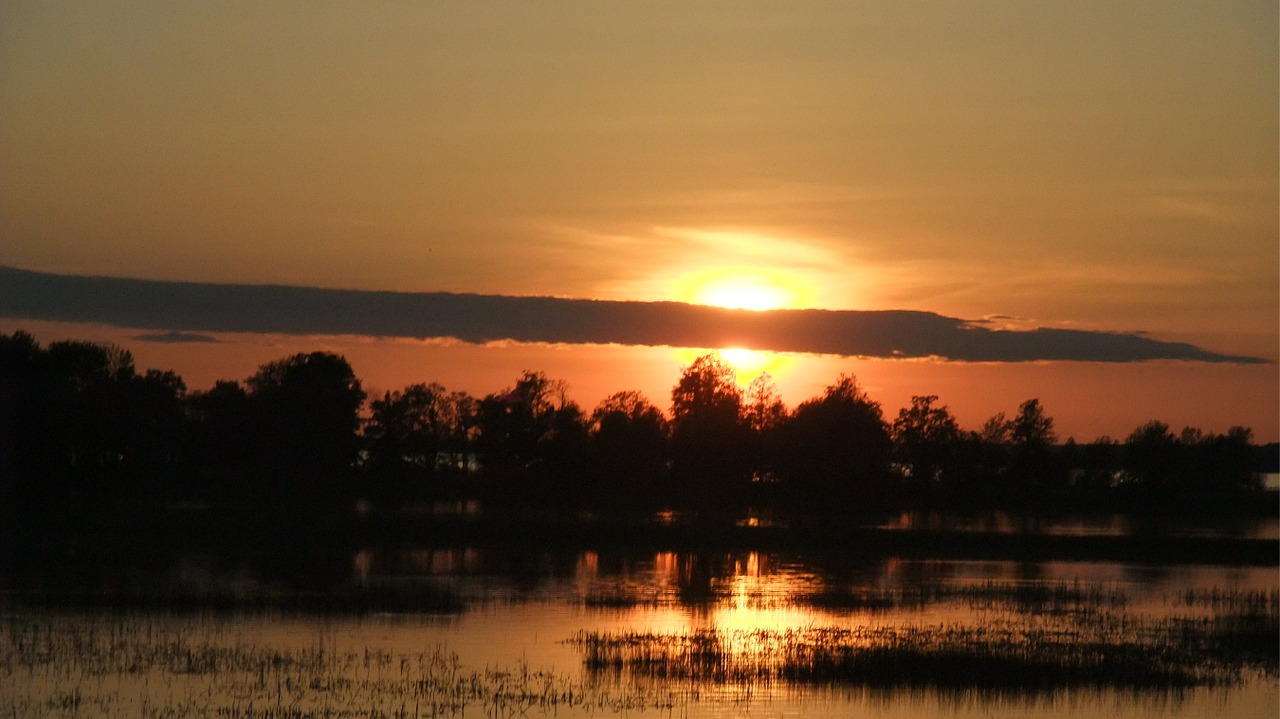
741,289
743,293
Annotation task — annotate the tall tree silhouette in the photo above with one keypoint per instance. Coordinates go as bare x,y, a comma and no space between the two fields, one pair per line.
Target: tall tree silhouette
1224,463
1150,456
838,449
307,411
414,435
514,423
532,440
77,421
926,439
1033,466
629,438
152,453
416,428
764,414
223,444
707,435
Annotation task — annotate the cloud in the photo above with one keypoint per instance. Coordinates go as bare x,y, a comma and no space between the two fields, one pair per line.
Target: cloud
174,337
179,308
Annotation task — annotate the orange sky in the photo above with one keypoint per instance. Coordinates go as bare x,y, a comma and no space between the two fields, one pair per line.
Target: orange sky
1093,165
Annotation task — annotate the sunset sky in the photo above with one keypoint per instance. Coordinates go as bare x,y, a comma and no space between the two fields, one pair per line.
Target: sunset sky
1101,166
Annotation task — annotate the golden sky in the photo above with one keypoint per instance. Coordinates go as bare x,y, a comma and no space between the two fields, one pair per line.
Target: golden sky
1098,165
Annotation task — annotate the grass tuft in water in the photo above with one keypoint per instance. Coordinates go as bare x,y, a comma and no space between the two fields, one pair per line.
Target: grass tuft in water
1125,653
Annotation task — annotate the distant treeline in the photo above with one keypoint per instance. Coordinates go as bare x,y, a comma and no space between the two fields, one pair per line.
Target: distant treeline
80,425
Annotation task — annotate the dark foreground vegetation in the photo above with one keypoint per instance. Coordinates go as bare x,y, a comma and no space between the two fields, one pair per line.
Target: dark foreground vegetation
1064,640
80,426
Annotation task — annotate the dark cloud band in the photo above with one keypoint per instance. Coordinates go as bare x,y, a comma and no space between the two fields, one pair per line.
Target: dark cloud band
177,308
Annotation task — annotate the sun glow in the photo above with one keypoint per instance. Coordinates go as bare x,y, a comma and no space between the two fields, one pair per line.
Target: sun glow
740,291
745,289
747,364
743,293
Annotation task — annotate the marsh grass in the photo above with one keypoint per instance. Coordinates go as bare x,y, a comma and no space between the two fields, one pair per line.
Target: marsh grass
1019,640
1252,601
138,667
1109,651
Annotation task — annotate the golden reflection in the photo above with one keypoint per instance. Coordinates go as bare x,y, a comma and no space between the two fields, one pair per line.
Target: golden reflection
586,569
443,562
362,567
758,598
666,568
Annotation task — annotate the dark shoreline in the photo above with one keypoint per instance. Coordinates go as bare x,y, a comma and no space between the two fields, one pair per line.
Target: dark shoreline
300,530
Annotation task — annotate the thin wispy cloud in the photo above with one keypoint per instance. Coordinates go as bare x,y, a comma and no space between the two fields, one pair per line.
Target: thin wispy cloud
180,310
175,337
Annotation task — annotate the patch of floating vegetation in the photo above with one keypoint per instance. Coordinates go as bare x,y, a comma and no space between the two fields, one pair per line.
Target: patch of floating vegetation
1253,601
1038,597
118,667
1111,651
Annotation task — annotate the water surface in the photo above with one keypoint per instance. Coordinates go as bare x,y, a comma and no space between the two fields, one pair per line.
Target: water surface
503,617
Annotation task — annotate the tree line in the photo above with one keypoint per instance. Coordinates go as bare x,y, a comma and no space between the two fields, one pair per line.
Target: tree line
80,424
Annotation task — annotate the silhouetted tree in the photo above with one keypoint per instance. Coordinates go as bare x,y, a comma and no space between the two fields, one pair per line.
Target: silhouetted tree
564,456
458,445
764,414
307,411
1094,466
151,413
1225,463
86,379
1031,427
224,444
513,423
532,440
838,449
409,429
629,443
1191,463
925,441
32,460
1150,457
762,408
1033,465
707,435
420,431
78,423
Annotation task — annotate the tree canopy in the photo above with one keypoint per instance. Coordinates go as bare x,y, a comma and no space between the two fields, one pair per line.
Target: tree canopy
79,423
